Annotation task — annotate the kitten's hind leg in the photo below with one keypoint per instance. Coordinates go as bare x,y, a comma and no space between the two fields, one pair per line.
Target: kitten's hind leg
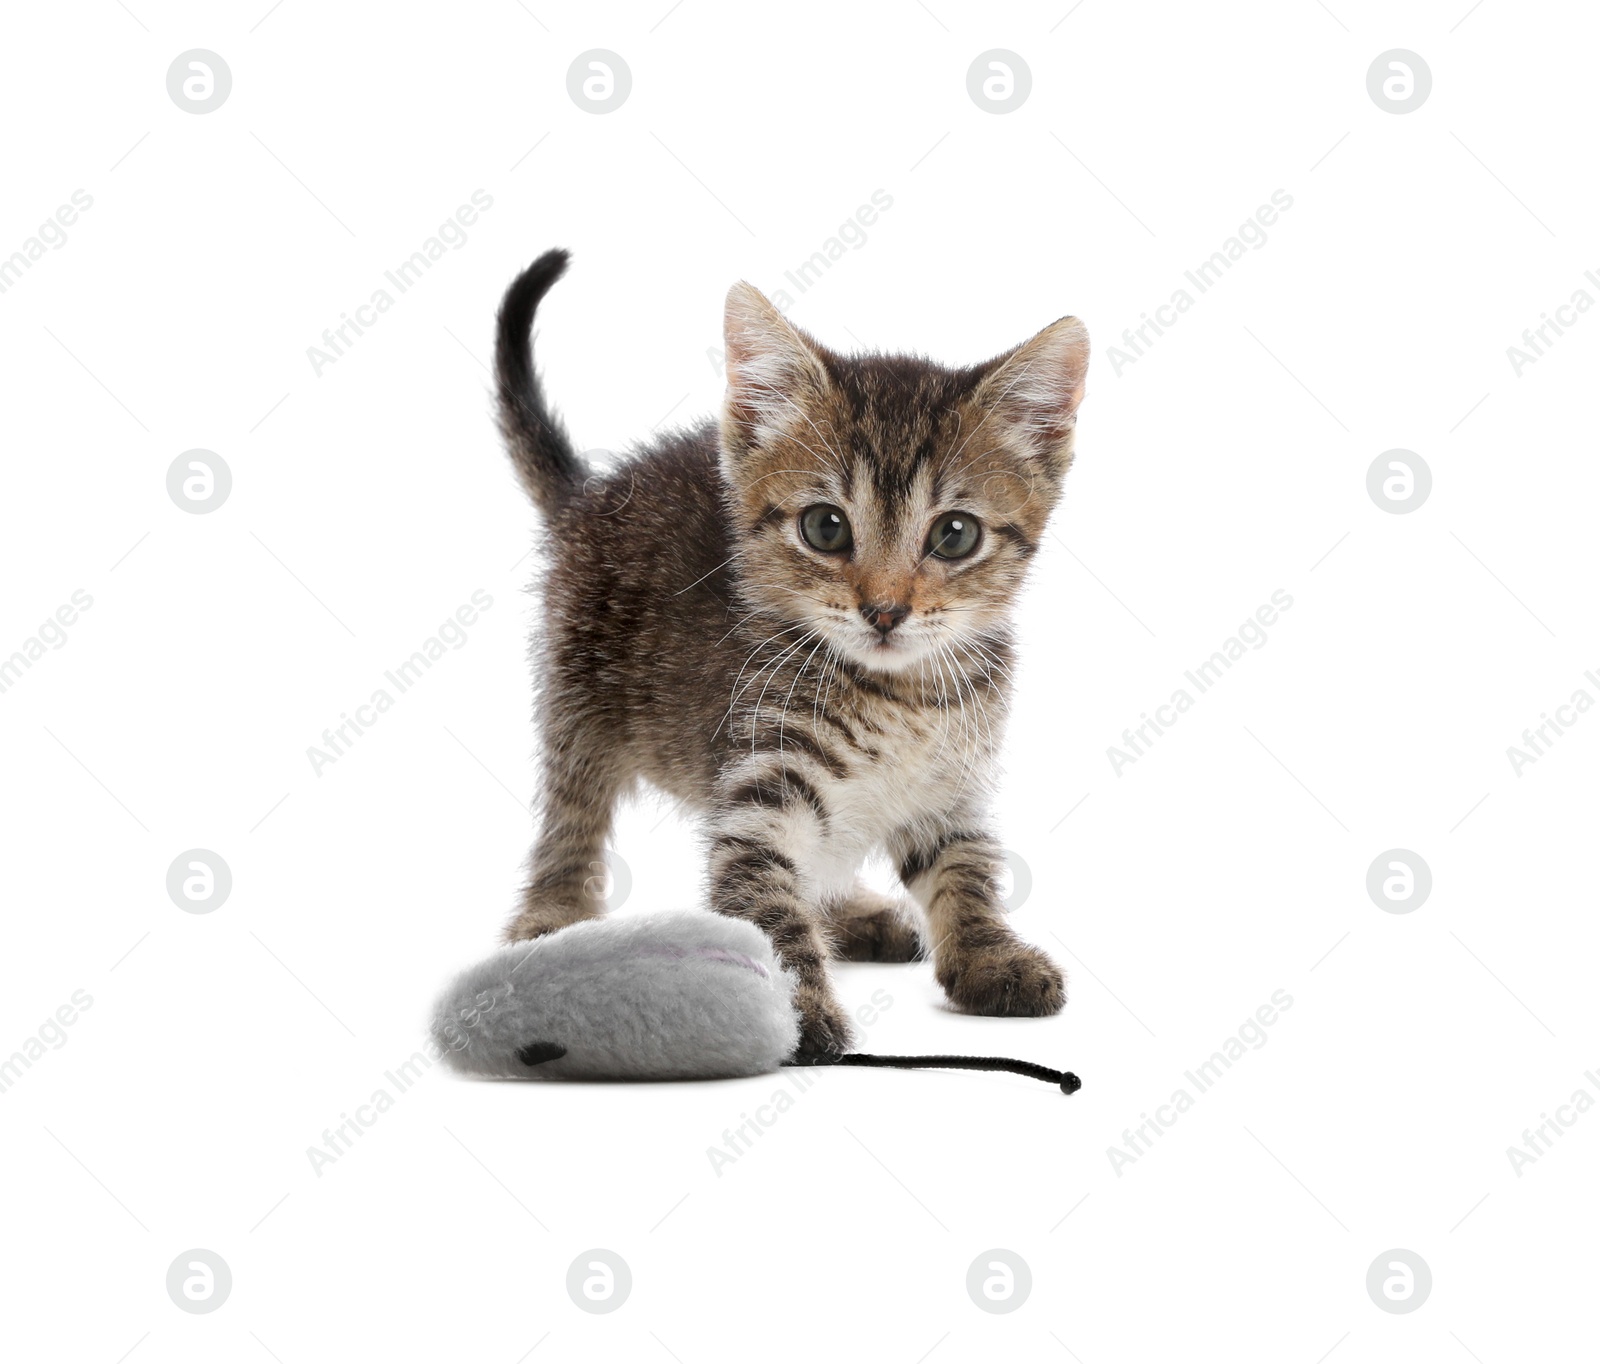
567,878
866,925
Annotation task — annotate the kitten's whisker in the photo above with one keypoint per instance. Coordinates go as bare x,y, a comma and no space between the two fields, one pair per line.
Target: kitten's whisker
763,670
734,696
944,704
738,623
983,743
747,714
783,710
994,660
755,713
821,640
707,574
818,697
966,735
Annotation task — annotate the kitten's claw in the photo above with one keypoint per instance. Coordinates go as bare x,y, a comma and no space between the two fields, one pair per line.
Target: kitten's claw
1006,980
824,1027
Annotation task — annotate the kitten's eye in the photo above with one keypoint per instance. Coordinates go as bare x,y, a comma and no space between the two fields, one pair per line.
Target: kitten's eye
825,529
954,536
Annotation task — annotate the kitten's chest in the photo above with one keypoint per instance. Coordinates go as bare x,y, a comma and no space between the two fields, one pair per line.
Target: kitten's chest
916,763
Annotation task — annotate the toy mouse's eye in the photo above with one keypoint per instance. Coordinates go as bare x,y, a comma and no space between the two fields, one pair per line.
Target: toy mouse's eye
825,528
537,1053
954,536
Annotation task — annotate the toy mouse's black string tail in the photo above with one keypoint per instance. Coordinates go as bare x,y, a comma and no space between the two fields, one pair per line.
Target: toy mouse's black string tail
1068,1082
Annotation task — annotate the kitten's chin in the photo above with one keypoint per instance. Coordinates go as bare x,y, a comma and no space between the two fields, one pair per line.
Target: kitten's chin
888,655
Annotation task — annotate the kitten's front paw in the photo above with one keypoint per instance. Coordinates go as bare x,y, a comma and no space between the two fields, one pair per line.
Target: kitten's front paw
824,1027
1005,980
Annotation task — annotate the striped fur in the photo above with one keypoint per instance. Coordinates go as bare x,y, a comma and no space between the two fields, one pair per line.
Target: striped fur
693,640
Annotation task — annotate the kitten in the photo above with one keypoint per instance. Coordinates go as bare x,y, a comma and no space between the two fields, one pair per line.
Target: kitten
797,623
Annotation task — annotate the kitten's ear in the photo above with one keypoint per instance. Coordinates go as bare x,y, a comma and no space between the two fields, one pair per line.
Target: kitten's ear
1036,389
773,372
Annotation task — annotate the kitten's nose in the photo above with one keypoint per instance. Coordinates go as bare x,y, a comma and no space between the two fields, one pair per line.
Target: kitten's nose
884,616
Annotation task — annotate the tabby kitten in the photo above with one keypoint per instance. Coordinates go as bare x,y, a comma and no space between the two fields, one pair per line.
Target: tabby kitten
797,623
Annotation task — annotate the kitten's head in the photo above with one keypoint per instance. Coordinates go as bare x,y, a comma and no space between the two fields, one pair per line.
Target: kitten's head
885,502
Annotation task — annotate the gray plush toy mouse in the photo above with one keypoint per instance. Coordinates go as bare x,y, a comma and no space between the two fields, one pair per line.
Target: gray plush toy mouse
676,996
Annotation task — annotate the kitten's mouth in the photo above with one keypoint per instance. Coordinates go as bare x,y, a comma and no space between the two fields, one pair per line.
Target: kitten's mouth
893,651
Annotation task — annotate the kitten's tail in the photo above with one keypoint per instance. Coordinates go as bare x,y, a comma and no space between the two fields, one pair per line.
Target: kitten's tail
539,446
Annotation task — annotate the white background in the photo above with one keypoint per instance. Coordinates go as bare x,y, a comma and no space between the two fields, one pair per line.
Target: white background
371,501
